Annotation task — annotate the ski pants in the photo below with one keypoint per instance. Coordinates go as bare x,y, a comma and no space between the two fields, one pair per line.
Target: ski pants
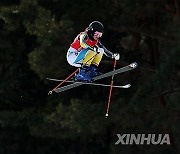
83,57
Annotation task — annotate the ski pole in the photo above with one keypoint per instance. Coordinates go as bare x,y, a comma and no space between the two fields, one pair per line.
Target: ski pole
110,91
50,92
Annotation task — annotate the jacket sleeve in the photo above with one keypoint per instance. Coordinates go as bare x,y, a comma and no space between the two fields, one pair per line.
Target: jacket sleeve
106,51
82,38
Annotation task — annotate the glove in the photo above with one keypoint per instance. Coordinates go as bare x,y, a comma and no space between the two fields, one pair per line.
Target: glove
116,56
95,48
98,50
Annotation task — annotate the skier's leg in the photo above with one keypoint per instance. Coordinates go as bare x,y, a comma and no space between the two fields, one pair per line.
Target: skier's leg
71,56
94,65
86,57
92,60
97,59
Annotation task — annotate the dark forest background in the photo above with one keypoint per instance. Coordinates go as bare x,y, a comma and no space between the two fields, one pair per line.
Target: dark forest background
34,38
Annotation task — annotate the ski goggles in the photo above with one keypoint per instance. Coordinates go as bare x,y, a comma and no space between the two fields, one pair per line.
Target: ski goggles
98,34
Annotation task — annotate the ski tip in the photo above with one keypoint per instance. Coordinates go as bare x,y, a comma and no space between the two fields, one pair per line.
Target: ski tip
128,85
133,65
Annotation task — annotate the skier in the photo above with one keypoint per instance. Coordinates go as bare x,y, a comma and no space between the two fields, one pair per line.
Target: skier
86,52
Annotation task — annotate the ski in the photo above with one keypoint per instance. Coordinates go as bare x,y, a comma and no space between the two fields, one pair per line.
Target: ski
92,83
121,70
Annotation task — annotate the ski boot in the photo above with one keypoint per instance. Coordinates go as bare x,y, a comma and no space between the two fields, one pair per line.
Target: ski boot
93,71
83,75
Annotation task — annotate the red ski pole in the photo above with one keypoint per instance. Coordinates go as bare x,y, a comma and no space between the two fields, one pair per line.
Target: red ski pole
50,92
110,91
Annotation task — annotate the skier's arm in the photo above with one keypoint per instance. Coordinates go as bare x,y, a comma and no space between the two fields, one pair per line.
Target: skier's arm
83,38
106,51
109,53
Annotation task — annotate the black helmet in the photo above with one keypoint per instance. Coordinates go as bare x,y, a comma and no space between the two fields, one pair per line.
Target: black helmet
93,27
96,26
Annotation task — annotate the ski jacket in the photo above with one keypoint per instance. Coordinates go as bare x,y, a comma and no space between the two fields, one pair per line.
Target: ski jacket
82,41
